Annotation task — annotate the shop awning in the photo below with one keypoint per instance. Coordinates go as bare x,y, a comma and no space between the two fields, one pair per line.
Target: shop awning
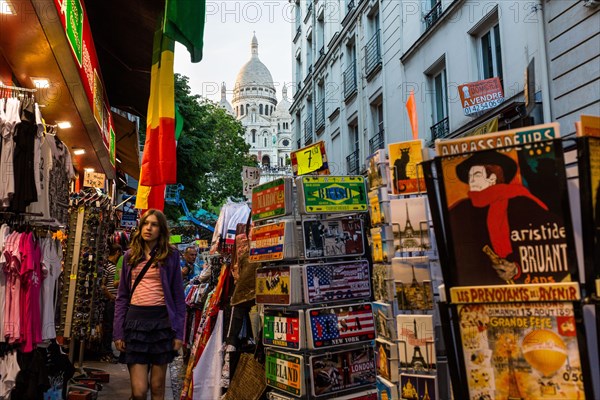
123,32
128,151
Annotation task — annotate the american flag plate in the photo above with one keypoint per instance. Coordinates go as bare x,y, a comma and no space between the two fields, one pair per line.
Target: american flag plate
335,282
340,325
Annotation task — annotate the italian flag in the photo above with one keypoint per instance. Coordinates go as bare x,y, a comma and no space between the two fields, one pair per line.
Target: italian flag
290,334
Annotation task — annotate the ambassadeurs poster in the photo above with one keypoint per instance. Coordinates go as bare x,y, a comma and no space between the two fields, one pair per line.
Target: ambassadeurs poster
524,346
507,222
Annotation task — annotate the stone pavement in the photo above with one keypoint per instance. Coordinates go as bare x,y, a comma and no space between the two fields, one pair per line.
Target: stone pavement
119,386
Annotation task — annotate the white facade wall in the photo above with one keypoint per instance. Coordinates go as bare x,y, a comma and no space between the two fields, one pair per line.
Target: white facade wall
454,43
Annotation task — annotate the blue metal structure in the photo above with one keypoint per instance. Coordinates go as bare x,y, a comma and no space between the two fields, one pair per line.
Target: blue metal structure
173,197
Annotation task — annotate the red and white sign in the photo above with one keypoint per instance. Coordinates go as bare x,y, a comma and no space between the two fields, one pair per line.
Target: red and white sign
481,95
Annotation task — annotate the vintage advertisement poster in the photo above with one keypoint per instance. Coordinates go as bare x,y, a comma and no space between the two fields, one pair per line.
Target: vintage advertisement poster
505,211
377,170
523,351
418,387
269,199
341,237
273,285
334,326
412,279
285,371
341,371
336,282
283,329
331,194
405,167
416,342
410,224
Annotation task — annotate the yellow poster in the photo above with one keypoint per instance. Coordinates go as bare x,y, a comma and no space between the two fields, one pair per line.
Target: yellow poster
405,167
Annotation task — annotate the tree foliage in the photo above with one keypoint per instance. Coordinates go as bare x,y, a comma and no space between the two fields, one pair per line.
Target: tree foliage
211,152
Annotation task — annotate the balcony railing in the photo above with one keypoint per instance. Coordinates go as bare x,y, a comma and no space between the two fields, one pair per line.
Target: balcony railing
308,130
320,115
350,80
322,52
308,12
298,86
352,163
298,33
377,142
351,6
440,130
433,15
373,53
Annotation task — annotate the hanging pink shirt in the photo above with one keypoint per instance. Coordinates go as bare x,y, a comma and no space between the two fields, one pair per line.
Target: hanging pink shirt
31,282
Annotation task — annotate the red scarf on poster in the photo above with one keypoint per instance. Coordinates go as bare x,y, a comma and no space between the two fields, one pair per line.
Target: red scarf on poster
497,197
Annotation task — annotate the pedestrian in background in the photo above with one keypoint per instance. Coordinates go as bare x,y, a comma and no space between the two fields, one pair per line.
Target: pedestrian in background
110,295
150,306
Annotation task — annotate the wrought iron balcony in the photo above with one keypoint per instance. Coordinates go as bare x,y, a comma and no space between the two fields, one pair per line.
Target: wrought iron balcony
373,53
433,15
320,115
308,12
298,32
298,86
350,80
308,130
322,52
440,130
377,142
351,6
352,163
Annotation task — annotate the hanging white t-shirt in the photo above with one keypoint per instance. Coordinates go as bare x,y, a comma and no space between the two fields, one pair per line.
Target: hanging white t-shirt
7,173
51,260
42,173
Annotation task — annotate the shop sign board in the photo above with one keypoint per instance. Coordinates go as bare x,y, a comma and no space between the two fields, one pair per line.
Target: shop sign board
521,350
338,372
563,291
283,329
340,237
269,199
250,179
481,95
529,239
94,179
330,194
335,282
341,325
113,146
285,371
79,35
310,160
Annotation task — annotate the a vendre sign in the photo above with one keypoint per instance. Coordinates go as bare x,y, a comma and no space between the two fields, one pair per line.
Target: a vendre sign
481,95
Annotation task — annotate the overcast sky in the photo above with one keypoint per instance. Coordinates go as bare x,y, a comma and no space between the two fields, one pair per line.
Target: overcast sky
227,36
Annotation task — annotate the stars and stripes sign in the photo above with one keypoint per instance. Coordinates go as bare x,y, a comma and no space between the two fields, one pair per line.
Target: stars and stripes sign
332,326
337,282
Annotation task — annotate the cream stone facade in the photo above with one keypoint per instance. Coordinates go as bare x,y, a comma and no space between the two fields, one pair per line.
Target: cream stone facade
266,120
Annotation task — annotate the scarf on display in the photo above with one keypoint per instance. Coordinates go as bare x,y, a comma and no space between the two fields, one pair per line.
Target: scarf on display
497,197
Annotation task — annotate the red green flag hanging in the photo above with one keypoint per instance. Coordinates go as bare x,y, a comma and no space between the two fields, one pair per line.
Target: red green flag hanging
184,23
159,162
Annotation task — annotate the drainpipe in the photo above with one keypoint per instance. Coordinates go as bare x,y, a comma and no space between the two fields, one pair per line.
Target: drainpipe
544,66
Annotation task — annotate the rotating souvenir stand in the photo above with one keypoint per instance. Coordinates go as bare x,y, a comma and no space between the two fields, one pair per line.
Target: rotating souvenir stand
84,260
318,329
402,251
513,325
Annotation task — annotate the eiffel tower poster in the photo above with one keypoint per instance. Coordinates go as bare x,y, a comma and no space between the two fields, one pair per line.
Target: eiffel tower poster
413,283
416,342
410,224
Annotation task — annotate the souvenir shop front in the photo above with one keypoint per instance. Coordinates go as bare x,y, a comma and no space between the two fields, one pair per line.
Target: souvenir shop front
395,287
59,164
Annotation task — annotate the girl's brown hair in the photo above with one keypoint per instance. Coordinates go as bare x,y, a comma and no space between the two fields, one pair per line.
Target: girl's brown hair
163,248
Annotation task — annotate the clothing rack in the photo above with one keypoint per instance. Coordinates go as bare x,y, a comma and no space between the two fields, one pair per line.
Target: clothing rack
17,88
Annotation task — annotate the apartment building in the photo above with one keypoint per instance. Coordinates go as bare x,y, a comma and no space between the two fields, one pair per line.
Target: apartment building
356,62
